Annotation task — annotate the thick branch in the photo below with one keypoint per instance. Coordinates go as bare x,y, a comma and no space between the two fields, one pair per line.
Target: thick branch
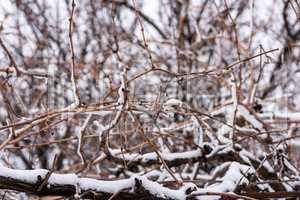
140,187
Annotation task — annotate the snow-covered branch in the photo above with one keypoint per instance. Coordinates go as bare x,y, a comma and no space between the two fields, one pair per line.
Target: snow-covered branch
65,185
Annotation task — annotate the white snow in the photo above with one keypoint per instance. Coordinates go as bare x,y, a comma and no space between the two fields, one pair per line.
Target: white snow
250,117
30,176
105,186
164,192
233,177
109,186
153,156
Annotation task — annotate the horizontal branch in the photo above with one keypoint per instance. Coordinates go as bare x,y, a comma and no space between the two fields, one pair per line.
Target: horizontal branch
66,185
138,187
269,195
205,155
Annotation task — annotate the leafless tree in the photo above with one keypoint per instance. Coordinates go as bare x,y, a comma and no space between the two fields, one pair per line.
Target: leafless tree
164,99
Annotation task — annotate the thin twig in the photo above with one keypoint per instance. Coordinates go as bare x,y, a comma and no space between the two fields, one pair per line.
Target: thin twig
73,81
45,181
12,60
